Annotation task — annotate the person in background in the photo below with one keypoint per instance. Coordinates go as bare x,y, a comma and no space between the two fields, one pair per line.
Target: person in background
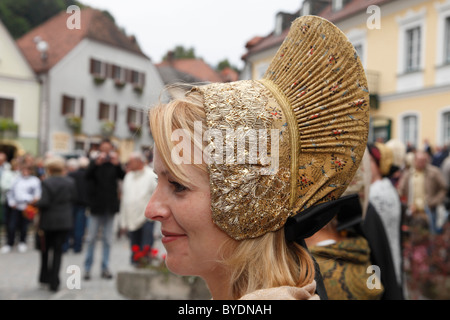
25,189
4,166
137,188
78,174
103,175
384,197
424,189
55,219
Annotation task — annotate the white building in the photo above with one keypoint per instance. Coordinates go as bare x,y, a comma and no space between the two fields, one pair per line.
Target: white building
96,77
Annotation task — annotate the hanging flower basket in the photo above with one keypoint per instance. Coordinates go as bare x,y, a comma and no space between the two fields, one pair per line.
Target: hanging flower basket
74,123
135,129
8,129
107,128
98,80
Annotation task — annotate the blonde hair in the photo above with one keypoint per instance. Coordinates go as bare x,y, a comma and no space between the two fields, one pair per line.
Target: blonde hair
55,165
263,262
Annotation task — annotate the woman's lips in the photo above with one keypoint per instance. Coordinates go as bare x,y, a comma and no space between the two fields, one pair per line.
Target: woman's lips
171,236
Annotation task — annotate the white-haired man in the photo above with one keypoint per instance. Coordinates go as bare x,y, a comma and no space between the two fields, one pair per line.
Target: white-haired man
137,188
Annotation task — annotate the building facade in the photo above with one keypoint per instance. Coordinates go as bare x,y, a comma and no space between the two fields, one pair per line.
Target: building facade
97,83
19,99
405,49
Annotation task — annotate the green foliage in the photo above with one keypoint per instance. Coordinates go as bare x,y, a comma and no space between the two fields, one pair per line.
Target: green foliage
8,124
181,52
226,64
75,123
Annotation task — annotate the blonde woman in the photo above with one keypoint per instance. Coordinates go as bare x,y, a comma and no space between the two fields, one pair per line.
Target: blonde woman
237,217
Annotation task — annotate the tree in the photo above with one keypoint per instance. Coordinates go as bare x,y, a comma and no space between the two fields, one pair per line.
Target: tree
225,64
181,52
20,16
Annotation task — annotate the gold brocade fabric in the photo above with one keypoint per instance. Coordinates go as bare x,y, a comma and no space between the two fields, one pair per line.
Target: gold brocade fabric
246,198
315,94
344,266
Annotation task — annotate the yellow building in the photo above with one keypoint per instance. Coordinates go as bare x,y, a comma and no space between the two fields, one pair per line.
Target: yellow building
404,46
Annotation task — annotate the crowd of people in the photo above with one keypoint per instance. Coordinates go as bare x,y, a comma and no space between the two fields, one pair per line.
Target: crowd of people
66,204
410,191
407,189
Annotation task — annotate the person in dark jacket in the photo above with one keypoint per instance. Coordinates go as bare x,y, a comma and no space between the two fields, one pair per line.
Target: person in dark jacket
75,239
55,221
103,175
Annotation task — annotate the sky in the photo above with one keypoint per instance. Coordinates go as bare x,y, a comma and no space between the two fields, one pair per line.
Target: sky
217,30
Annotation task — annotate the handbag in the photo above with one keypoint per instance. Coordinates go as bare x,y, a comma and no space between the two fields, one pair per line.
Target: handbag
30,212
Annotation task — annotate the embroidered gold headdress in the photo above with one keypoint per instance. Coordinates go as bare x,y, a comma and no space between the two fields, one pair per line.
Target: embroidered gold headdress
312,102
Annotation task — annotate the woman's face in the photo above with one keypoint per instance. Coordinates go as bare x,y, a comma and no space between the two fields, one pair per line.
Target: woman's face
189,235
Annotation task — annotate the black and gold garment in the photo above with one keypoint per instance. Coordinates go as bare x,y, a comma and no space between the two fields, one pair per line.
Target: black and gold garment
344,267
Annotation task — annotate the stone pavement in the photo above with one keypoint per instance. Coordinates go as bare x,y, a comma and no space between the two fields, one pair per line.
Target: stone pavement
19,274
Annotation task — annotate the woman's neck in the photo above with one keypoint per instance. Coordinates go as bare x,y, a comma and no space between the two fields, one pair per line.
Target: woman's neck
218,283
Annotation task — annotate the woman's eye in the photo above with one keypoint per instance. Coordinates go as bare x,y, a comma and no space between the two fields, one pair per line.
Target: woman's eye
178,187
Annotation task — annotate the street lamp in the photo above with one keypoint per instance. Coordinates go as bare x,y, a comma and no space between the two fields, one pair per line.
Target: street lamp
42,47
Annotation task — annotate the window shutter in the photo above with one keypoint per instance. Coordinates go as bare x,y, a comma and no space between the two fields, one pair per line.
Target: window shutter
128,114
142,80
82,108
92,66
115,112
100,110
63,105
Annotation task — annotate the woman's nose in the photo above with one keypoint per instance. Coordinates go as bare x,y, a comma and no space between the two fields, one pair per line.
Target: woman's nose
157,208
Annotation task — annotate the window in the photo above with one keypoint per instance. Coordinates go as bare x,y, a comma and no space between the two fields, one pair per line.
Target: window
306,9
413,49
7,108
337,5
72,106
409,125
98,68
279,24
135,116
447,41
445,128
79,145
137,78
107,112
118,74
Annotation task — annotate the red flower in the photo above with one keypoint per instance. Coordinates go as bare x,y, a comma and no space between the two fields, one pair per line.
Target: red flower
138,255
135,248
154,252
146,248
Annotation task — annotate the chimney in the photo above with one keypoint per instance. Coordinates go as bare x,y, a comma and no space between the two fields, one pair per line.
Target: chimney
170,57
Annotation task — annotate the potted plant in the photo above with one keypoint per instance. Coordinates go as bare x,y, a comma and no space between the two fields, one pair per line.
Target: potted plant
8,128
107,128
74,123
135,129
138,89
